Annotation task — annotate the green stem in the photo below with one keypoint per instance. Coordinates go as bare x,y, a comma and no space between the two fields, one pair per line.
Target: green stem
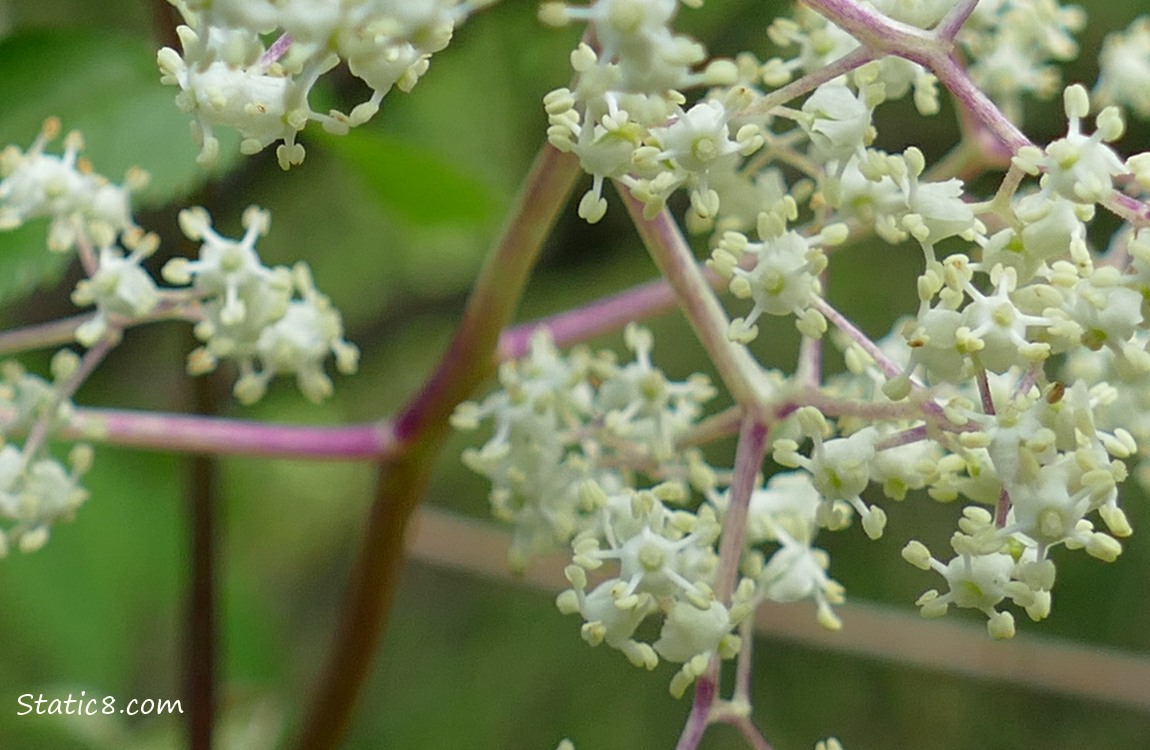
422,428
668,248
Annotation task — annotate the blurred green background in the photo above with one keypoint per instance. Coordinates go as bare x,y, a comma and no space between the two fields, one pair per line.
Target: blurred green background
394,220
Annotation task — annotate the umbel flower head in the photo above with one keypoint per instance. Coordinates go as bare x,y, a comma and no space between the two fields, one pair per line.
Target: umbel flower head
35,492
251,313
120,286
228,78
78,202
572,429
36,489
1078,167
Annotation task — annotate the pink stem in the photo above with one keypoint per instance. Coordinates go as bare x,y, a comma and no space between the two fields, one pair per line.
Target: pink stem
856,58
873,29
749,453
955,19
903,437
278,49
751,733
984,392
840,321
706,690
739,372
1002,508
748,459
38,433
598,317
195,434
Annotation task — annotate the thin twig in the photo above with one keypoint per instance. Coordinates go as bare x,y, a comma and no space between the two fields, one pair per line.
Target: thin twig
201,605
215,435
739,371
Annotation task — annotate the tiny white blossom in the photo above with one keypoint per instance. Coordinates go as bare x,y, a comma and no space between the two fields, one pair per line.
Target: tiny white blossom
118,287
1079,167
79,203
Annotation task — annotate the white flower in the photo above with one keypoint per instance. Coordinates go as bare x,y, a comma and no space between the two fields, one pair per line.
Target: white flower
840,471
225,267
622,27
80,203
36,492
697,138
996,330
228,78
1081,168
839,124
655,555
118,287
797,571
300,342
784,279
610,616
252,316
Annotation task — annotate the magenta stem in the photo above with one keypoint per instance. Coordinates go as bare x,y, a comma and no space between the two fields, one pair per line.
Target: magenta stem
196,434
278,49
598,317
955,19
706,690
841,322
695,294
749,453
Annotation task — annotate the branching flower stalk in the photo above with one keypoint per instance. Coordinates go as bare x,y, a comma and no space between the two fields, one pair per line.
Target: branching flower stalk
672,255
707,706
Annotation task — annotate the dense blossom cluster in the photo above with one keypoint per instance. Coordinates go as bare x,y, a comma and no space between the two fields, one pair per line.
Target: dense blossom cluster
76,201
1023,371
573,430
36,489
1125,67
229,78
595,455
269,321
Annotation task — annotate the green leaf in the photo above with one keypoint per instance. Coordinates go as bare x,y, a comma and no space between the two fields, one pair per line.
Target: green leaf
26,263
416,183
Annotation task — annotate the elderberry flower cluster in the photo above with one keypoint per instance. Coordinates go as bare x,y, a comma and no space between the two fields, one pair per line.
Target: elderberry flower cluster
88,214
590,454
783,518
624,116
963,398
229,78
570,429
270,321
80,205
1015,45
627,118
817,43
36,489
1124,68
